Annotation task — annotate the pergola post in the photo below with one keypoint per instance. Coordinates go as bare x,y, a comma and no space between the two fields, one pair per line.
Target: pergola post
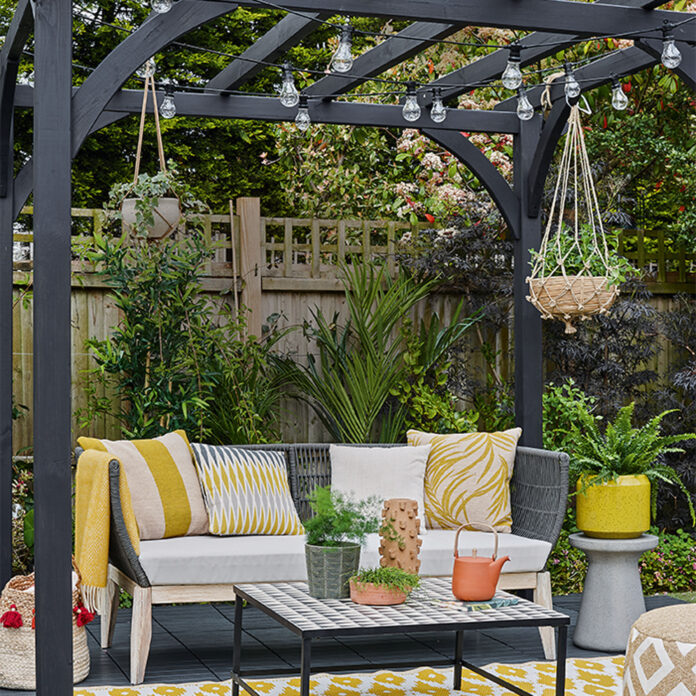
52,410
529,378
6,225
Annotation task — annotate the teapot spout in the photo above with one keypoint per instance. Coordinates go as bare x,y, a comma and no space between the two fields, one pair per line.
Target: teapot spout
498,563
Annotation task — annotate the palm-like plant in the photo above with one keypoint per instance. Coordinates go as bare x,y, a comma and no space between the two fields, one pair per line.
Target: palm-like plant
359,363
623,450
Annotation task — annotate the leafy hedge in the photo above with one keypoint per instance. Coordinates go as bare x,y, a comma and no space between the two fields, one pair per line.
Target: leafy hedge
669,567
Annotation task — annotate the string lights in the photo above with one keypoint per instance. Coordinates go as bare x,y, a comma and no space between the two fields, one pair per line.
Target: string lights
619,100
572,86
411,111
512,75
147,69
161,6
167,108
671,56
438,111
289,96
525,110
342,59
302,120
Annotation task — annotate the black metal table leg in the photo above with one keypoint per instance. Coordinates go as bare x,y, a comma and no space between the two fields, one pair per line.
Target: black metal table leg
561,640
306,666
237,649
458,648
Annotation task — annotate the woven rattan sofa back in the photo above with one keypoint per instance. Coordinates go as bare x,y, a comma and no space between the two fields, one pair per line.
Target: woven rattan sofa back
539,486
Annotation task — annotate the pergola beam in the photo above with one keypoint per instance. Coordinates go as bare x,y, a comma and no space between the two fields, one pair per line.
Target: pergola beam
271,46
393,51
686,70
561,16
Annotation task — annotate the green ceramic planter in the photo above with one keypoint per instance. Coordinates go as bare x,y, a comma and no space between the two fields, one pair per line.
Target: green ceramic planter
329,568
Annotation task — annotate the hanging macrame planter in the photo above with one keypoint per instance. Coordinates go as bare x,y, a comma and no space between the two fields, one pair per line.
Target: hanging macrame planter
571,272
167,212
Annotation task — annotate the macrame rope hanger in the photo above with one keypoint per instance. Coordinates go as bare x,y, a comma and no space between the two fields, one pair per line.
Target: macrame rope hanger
569,276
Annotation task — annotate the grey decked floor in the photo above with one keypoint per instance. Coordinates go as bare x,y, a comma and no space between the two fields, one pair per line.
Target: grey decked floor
194,643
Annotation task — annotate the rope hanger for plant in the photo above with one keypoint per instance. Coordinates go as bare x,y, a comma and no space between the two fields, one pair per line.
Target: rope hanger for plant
167,212
570,273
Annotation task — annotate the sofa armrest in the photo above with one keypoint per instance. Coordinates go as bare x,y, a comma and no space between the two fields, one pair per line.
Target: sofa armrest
539,493
121,551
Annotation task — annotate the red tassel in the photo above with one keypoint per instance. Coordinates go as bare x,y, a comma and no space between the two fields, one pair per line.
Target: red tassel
33,619
83,616
11,618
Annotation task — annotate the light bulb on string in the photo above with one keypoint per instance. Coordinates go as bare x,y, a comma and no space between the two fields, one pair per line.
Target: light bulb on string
619,100
572,87
512,75
302,120
411,111
671,56
167,108
289,96
342,59
161,6
525,110
147,69
438,111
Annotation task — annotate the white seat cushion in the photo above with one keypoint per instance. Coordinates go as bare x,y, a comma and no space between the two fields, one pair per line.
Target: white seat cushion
202,560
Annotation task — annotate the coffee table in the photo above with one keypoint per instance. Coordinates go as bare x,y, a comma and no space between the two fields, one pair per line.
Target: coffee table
433,609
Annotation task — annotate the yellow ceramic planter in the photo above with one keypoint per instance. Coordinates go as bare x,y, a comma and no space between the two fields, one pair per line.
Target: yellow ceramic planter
615,510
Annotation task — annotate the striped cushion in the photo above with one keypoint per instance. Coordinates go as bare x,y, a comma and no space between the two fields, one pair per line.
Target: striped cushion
467,478
246,491
163,483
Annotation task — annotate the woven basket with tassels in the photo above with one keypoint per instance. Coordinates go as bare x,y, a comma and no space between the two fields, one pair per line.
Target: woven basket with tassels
17,643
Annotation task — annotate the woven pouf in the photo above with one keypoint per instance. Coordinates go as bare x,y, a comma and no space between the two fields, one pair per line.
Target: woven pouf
661,653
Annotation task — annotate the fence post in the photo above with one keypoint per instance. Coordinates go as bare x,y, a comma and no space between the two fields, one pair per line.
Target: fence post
251,261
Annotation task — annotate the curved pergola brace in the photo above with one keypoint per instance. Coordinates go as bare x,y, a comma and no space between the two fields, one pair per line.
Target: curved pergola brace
491,179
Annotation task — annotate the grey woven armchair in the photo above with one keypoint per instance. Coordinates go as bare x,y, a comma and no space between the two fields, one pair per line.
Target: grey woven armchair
539,491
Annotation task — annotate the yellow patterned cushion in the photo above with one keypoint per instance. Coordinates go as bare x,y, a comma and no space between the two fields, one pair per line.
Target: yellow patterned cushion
467,478
163,483
246,491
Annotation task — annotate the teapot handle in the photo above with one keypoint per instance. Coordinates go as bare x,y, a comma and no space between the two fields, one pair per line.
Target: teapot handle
475,524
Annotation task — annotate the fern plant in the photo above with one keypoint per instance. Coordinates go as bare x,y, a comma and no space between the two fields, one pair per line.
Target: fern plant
622,450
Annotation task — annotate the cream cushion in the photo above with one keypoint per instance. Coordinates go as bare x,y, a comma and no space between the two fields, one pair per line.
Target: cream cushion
467,478
236,559
382,472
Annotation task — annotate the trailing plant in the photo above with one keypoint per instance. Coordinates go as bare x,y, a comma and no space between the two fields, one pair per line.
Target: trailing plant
362,363
338,519
622,450
169,364
388,577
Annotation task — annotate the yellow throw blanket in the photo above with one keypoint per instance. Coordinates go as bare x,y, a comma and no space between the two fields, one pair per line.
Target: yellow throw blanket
92,523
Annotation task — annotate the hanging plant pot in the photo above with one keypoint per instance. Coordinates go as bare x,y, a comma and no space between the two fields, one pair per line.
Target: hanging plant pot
569,297
166,214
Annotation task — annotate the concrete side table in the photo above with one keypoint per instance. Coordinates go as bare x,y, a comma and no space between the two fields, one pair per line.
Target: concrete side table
613,597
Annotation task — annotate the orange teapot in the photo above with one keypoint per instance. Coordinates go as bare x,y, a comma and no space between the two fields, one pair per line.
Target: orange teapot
474,577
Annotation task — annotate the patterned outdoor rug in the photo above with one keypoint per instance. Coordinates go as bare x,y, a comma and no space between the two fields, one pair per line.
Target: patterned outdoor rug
600,677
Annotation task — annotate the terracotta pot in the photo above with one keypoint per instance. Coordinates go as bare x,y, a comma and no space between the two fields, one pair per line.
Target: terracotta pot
375,595
167,216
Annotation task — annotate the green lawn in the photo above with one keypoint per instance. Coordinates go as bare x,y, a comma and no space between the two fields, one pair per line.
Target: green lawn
685,596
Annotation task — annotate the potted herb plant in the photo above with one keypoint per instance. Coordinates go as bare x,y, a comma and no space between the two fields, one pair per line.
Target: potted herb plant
382,586
618,472
334,536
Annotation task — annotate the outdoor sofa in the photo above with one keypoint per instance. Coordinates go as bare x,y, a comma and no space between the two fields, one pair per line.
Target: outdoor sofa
204,568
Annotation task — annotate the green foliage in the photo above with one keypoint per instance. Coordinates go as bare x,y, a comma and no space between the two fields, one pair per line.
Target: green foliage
170,362
22,516
579,256
338,519
669,567
622,450
357,385
390,578
561,403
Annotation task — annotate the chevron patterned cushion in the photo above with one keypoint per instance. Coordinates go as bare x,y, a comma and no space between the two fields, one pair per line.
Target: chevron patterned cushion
467,478
246,491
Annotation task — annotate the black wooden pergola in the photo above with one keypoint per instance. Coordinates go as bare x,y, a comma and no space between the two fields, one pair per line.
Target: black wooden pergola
65,116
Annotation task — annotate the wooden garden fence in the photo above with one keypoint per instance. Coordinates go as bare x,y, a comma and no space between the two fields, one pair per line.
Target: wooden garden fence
286,267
